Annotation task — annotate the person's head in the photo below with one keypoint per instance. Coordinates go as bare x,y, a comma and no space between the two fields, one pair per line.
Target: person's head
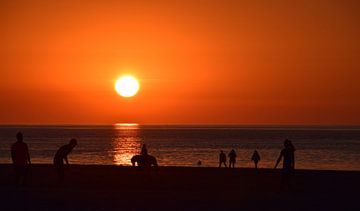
73,142
19,136
288,144
221,151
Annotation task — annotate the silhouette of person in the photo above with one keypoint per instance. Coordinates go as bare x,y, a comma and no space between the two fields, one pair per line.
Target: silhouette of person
222,158
144,161
288,156
256,158
144,150
60,156
199,163
21,159
232,158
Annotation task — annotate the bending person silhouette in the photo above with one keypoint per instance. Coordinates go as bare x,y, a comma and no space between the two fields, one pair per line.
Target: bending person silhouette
232,158
21,159
288,156
60,156
222,158
256,158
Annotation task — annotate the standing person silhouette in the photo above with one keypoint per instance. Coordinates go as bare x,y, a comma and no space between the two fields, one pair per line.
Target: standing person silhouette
60,156
144,150
256,158
288,155
21,159
222,158
232,158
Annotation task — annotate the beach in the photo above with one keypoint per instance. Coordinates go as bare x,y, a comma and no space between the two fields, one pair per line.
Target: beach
110,187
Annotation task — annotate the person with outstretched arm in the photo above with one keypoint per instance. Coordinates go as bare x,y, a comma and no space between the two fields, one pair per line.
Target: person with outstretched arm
288,156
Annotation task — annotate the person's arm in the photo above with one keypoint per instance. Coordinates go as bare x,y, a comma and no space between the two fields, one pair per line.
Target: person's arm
28,155
293,161
278,160
66,160
12,154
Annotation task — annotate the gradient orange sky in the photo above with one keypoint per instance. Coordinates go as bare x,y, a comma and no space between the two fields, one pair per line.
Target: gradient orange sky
210,62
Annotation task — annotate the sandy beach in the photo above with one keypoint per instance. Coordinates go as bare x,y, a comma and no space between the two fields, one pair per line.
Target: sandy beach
91,187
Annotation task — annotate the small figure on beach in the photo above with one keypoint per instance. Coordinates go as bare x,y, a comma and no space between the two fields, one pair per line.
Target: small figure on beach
60,156
199,163
222,158
21,159
144,160
288,156
232,158
255,158
143,150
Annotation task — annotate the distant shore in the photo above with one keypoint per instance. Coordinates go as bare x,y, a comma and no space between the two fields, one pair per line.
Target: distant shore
101,187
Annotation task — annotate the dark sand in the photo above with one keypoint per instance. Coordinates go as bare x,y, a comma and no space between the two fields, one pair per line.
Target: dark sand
178,188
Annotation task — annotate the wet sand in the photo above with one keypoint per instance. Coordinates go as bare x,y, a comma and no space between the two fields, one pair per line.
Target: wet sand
91,187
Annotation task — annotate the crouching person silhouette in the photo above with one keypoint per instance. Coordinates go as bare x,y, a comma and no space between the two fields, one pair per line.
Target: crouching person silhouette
60,156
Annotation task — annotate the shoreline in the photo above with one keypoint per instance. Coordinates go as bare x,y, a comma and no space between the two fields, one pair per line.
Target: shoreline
110,187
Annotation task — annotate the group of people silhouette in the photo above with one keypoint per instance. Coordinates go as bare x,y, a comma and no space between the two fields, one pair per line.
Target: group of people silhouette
21,159
287,154
232,158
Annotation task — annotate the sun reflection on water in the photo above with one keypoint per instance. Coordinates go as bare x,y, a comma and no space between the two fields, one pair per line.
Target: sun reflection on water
126,143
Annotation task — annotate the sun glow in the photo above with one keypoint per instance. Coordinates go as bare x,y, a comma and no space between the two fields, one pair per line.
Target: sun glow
127,86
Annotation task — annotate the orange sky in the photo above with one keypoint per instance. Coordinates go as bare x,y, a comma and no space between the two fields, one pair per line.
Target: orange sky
211,62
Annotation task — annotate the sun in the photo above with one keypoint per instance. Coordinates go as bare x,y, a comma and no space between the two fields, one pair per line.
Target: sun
127,86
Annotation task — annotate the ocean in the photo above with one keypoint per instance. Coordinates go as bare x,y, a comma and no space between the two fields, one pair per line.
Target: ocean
317,147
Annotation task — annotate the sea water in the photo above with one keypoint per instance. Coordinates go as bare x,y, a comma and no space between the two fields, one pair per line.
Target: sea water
317,147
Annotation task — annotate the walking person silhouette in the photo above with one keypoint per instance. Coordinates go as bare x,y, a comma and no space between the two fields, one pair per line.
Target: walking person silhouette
232,158
256,158
222,158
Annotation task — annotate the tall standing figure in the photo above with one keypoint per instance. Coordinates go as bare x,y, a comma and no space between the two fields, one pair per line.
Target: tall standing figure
21,159
288,156
256,158
60,156
232,158
222,158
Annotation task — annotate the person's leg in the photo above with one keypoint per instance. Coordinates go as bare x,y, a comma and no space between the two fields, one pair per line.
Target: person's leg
17,175
24,171
60,172
285,179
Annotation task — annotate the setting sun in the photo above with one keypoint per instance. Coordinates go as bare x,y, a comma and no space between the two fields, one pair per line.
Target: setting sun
127,86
